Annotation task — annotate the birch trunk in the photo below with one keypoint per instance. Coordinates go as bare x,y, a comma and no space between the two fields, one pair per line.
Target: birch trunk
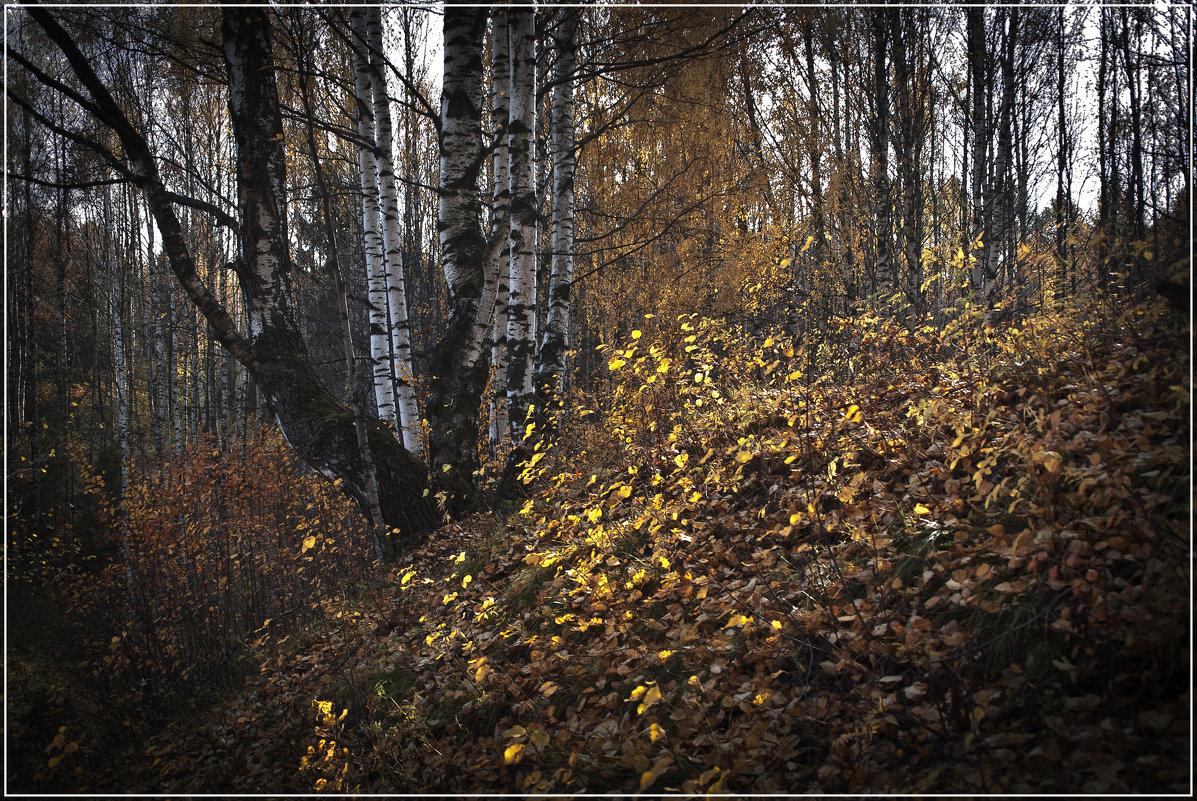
500,223
1000,225
392,240
909,143
980,138
550,379
316,423
383,543
376,279
881,152
521,311
460,364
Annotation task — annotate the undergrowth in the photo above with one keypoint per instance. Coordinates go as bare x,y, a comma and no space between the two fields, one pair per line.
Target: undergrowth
890,563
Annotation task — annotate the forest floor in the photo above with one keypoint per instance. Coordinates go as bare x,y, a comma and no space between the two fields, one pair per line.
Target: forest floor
923,575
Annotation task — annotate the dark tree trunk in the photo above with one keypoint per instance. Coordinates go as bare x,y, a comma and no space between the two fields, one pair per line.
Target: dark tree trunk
319,425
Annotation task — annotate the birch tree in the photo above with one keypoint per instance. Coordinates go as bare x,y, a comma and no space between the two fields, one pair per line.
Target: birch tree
399,328
550,378
455,389
318,424
1001,191
500,221
981,280
521,309
376,279
880,151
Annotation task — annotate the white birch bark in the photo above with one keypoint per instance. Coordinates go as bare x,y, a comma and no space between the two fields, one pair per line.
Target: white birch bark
550,380
392,240
459,363
500,225
999,226
317,422
376,281
521,309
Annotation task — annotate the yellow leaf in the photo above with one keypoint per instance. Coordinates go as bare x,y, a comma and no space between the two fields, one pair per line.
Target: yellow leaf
636,334
743,456
664,563
515,731
776,624
651,697
919,509
655,732
615,364
548,688
738,620
540,738
794,376
459,558
648,778
664,655
512,753
408,576
466,580
308,543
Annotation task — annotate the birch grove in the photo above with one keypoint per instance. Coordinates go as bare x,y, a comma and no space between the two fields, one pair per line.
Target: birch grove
592,172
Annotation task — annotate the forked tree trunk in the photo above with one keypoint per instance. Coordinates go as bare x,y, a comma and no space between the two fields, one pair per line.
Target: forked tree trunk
318,424
384,545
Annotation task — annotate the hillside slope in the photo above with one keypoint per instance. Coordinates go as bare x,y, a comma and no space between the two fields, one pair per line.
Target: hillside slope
768,568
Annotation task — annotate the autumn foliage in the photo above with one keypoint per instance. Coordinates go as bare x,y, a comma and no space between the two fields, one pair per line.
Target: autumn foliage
762,565
201,558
